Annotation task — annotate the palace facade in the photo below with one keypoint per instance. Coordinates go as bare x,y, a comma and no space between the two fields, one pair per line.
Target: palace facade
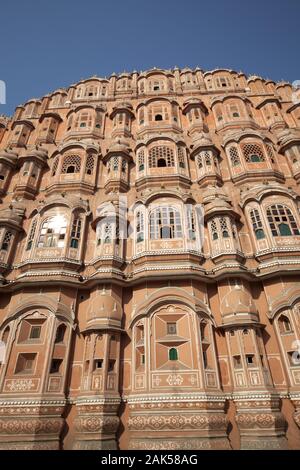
149,264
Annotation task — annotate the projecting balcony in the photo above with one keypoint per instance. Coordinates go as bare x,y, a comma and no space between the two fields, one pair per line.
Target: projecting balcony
171,176
71,182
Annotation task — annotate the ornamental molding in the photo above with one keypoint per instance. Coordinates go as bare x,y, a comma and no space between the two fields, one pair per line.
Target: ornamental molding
167,252
48,260
24,403
97,401
173,398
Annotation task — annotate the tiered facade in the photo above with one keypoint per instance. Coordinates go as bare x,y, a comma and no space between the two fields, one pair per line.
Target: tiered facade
125,323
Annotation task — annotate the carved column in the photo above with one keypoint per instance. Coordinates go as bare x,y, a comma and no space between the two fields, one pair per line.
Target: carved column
97,421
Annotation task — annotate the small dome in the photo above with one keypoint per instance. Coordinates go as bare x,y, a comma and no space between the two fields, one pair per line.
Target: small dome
120,145
9,155
238,301
39,153
212,193
253,77
203,140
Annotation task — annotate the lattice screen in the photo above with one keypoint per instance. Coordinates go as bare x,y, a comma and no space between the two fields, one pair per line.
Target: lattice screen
234,156
90,163
161,152
253,153
71,162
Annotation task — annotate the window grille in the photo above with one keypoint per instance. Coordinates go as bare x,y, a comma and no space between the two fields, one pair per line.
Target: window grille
71,164
281,221
253,153
234,156
165,222
257,224
90,163
31,235
161,156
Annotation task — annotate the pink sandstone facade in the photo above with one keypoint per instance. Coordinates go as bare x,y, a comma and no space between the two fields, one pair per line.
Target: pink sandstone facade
171,337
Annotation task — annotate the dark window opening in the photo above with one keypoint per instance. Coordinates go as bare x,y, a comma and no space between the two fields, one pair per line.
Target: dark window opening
98,363
171,328
284,230
35,332
60,333
250,360
205,363
71,169
158,117
255,158
260,234
161,162
55,366
74,243
173,354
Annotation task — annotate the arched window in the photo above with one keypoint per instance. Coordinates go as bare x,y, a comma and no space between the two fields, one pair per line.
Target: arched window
165,222
54,166
2,352
161,162
173,354
161,156
26,169
60,333
199,161
124,165
181,162
108,231
158,117
214,230
3,345
70,122
191,223
141,160
219,114
71,164
284,324
257,224
75,233
234,111
31,235
53,232
7,239
253,153
281,220
222,227
234,156
141,116
84,120
139,226
90,163
113,164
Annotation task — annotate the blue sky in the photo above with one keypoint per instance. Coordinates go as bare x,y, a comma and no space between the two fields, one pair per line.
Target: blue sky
50,44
